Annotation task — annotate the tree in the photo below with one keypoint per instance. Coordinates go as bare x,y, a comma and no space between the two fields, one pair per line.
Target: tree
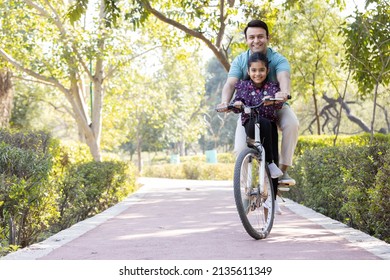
313,61
220,127
368,51
215,23
36,40
157,104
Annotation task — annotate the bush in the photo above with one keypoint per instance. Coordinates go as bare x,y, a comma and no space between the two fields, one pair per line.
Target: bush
318,179
173,171
226,158
27,200
46,186
317,141
346,183
90,188
380,201
191,170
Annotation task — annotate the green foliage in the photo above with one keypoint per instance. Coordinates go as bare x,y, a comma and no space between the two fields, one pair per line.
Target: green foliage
380,195
226,157
315,141
313,62
27,200
220,126
195,170
346,182
89,188
318,183
77,9
367,47
192,167
46,186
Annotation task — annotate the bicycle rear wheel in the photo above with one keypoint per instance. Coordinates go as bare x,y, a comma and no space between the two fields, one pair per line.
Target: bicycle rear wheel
255,206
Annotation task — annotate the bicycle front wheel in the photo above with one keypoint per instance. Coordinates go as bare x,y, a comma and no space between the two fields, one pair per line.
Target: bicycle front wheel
255,203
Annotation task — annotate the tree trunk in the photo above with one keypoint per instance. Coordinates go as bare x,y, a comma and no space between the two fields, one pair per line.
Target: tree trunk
374,112
316,112
6,97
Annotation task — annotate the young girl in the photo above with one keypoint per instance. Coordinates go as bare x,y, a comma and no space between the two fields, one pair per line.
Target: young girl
250,93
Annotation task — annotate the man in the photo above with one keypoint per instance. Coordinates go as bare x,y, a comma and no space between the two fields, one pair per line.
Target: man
257,39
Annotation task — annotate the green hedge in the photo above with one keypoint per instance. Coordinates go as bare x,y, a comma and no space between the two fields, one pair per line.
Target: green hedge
90,188
46,186
27,200
192,167
221,158
347,183
194,170
316,141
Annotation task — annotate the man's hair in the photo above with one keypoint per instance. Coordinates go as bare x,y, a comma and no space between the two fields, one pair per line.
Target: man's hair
257,23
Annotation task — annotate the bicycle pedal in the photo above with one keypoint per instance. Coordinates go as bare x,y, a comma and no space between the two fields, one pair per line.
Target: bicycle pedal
283,188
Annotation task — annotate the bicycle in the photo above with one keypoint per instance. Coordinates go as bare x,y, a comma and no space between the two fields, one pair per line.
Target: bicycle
253,187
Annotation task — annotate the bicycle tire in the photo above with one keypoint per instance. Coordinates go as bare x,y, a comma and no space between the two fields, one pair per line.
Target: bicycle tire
256,211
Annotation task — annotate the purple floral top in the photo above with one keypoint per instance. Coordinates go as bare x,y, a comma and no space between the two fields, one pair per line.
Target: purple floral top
250,95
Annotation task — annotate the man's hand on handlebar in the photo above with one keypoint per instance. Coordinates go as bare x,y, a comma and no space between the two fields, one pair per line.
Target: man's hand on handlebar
225,107
222,107
283,94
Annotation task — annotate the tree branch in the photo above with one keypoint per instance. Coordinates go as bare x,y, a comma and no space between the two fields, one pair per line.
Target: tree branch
218,53
347,110
57,21
51,81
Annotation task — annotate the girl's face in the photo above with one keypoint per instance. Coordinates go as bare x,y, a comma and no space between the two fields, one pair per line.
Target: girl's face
258,72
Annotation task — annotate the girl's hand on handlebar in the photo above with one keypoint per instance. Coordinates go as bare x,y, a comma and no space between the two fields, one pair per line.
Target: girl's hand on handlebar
268,100
238,104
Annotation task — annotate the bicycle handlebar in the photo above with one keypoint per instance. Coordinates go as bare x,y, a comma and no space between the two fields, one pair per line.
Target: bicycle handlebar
242,107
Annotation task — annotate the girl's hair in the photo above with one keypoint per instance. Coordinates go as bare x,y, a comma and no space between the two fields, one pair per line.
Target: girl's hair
256,57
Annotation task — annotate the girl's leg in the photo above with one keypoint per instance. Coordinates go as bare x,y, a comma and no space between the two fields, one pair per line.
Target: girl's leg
266,140
275,142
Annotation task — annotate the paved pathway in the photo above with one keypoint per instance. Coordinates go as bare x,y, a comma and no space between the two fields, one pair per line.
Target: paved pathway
197,220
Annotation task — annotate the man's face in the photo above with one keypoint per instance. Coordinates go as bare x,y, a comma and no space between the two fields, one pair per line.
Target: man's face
256,39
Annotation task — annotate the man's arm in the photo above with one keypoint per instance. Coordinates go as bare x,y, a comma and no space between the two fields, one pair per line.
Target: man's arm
283,78
227,93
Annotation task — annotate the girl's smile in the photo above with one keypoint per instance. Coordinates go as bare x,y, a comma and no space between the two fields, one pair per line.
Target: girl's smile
258,72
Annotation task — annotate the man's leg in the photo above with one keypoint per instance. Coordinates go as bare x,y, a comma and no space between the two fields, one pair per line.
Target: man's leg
289,125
